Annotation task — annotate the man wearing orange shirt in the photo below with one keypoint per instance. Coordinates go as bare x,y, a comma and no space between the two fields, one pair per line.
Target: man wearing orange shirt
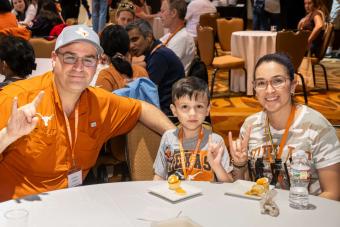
64,121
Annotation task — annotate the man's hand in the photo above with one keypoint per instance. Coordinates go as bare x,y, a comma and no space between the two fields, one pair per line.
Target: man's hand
23,119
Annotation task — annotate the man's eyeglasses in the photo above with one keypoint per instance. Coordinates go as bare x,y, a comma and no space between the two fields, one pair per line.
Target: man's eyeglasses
126,6
69,58
275,82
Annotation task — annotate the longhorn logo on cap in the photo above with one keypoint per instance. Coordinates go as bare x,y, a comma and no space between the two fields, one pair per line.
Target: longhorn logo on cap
82,32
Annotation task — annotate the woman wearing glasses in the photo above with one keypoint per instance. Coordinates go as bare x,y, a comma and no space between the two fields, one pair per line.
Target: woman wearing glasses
268,138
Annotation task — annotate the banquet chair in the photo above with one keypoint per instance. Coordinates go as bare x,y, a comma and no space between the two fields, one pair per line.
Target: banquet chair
209,20
142,147
316,60
295,44
225,27
111,165
205,40
42,48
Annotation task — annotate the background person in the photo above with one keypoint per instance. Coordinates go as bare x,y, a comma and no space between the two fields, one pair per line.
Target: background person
99,11
24,10
17,59
162,64
125,13
262,136
7,18
195,9
178,39
47,17
314,21
115,42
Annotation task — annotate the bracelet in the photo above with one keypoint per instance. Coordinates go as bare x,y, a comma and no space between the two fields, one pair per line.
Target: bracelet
239,166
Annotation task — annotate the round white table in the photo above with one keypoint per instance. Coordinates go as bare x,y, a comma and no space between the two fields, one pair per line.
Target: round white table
249,45
119,204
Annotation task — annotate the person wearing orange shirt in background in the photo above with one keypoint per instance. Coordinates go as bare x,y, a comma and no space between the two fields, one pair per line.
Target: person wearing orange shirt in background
66,121
115,42
7,19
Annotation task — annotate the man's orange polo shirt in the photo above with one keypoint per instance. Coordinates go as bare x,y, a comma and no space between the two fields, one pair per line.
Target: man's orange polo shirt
40,161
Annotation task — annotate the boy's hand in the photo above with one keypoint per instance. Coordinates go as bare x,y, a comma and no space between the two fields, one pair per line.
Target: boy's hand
215,153
239,148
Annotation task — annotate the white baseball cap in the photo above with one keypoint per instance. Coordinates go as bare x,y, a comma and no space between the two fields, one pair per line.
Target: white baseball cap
75,33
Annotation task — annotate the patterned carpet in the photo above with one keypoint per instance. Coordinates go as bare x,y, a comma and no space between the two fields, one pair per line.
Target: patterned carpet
229,113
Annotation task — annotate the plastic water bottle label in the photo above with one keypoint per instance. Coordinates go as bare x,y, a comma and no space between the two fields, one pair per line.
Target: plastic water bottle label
302,175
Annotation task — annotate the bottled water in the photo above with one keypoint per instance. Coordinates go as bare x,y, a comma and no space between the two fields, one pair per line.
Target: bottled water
299,181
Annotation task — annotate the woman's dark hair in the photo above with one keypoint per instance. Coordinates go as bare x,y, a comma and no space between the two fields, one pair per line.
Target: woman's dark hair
21,15
115,42
18,55
280,58
5,6
48,9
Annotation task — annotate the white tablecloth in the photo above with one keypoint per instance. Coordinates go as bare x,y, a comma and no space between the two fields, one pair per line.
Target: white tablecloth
118,204
249,45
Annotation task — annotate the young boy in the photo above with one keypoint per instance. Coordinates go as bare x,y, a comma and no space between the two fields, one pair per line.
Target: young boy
192,152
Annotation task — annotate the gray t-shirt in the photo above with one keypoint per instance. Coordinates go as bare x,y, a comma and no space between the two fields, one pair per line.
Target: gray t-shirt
168,160
310,132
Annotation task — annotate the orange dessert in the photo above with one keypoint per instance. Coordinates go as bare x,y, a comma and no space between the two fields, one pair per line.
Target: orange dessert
174,182
261,187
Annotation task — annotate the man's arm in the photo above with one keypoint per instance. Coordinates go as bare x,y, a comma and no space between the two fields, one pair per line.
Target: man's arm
154,118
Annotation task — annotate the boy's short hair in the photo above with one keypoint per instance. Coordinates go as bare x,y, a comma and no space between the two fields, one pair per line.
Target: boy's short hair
189,86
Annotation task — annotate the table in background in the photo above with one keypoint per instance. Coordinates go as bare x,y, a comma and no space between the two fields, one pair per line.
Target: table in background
249,45
118,204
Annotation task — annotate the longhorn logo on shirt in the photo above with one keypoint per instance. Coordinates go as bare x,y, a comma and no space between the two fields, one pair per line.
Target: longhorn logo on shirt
168,155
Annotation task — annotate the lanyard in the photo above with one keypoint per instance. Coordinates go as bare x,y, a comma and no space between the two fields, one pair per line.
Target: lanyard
156,48
172,35
69,133
193,154
284,137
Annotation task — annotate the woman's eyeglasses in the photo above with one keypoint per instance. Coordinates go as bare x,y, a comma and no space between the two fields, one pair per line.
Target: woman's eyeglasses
275,82
126,6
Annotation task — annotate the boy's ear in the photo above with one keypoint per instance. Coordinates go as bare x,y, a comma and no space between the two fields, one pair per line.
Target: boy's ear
173,109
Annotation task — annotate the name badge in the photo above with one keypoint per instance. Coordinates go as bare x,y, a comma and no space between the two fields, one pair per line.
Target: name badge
74,178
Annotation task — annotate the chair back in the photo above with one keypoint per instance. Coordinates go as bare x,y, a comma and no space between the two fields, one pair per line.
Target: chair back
294,44
206,45
42,48
326,39
142,146
209,20
225,27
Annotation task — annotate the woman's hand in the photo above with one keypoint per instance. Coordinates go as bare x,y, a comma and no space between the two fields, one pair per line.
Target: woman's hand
239,148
